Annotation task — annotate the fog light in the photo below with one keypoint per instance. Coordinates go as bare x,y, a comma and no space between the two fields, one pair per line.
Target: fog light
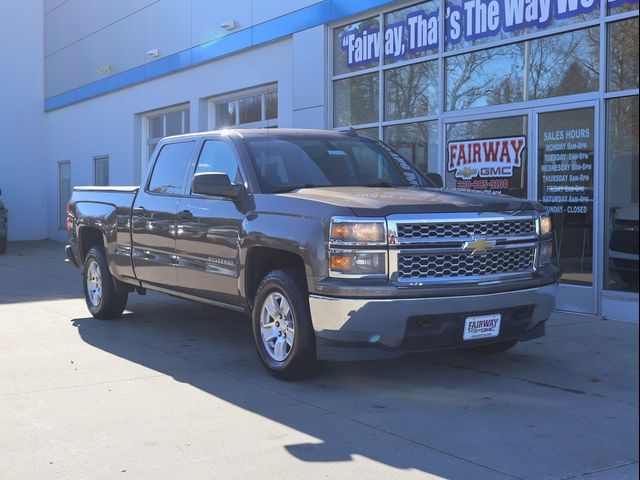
546,253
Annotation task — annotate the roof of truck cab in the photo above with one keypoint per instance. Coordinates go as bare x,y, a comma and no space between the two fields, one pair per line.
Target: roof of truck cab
266,132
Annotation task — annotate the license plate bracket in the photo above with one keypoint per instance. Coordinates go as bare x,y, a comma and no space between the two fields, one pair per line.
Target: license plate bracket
482,326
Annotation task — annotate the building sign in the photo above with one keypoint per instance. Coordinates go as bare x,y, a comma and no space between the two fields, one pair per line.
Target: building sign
467,20
486,164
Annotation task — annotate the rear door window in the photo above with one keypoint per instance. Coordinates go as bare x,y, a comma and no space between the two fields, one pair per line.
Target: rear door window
169,171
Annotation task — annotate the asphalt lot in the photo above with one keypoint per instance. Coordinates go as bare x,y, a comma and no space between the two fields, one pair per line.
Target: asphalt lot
174,390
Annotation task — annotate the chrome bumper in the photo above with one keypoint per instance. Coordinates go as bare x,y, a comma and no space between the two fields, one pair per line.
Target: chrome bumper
381,324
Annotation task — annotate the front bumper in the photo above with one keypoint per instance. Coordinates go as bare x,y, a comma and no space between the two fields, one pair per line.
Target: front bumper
358,329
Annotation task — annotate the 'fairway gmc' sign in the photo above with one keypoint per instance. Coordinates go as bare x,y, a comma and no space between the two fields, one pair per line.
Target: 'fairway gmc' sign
486,158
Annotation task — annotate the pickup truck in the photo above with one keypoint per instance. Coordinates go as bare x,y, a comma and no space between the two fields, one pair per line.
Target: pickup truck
334,245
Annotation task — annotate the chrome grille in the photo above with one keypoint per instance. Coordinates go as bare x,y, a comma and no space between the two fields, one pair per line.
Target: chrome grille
499,228
453,264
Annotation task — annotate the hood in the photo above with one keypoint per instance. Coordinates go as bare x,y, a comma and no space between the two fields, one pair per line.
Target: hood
374,201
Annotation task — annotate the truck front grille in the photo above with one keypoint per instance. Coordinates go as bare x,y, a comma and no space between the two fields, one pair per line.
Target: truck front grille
442,266
501,228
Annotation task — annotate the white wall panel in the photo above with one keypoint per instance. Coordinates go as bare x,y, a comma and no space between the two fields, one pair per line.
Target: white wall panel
206,17
264,10
51,4
125,43
59,28
167,26
22,166
91,53
60,71
94,15
309,68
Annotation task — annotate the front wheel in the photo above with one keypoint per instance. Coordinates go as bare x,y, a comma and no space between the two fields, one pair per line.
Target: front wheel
282,326
104,300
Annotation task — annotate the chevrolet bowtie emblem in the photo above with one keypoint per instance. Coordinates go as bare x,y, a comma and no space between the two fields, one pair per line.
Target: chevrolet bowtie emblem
479,245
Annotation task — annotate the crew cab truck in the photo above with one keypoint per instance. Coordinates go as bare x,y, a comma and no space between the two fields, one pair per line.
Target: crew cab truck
334,244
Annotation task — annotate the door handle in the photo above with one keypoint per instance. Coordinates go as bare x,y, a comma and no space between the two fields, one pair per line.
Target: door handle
139,210
185,215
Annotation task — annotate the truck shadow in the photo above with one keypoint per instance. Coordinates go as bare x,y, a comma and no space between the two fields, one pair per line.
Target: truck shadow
406,413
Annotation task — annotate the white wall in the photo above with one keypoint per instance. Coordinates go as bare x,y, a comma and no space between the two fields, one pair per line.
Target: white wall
111,124
23,171
81,35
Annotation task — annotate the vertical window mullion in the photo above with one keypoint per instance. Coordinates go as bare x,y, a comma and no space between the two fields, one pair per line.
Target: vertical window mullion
381,83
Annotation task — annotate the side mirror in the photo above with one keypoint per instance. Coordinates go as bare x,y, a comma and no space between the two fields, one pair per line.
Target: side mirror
435,179
215,185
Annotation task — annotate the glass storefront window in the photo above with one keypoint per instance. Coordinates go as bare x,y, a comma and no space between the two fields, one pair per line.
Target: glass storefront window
250,109
411,91
486,77
620,6
254,108
411,32
566,152
356,46
488,155
621,205
623,55
563,64
368,132
355,100
417,142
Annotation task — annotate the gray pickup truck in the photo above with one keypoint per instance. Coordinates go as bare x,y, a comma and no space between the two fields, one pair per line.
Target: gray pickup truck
336,246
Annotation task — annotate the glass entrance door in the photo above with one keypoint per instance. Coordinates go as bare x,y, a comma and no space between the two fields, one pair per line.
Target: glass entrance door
566,178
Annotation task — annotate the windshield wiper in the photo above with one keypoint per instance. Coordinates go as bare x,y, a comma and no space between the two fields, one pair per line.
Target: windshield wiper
383,185
298,187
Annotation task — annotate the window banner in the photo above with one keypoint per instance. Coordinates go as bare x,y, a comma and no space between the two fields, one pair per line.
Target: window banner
486,164
467,20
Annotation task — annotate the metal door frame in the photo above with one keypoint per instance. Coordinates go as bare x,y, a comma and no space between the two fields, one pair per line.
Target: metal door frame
577,298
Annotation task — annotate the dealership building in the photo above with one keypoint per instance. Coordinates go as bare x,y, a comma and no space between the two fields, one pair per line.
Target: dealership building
531,98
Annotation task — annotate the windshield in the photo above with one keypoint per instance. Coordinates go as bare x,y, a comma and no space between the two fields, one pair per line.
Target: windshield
284,165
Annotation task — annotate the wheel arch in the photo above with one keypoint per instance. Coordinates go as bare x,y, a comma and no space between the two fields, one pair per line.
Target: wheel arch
261,260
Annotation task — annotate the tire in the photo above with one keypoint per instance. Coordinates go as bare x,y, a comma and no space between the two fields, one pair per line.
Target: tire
101,293
3,245
496,347
281,301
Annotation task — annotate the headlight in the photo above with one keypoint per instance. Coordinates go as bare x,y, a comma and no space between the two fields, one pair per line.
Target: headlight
546,226
349,252
360,263
546,253
356,231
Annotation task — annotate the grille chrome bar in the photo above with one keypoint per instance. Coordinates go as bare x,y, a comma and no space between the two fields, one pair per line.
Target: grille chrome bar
438,228
438,266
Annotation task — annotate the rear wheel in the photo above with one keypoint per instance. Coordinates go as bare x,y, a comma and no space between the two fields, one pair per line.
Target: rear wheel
496,347
104,299
282,326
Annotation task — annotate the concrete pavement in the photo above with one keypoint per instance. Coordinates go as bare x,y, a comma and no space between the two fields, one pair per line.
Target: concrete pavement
174,390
